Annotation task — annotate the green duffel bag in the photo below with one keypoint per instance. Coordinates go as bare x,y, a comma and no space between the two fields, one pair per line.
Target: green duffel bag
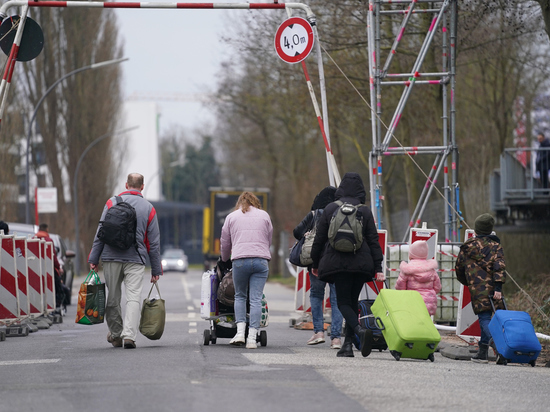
153,316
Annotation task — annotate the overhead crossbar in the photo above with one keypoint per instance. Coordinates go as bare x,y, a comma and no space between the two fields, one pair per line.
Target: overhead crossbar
150,5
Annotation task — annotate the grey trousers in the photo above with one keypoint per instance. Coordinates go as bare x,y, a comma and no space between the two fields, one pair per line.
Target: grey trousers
132,276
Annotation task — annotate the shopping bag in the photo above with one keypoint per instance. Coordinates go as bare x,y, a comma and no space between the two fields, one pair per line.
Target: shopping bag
226,289
91,300
295,252
153,316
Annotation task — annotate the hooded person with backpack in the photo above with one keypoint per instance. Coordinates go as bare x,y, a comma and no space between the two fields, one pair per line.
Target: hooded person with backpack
346,252
128,231
317,291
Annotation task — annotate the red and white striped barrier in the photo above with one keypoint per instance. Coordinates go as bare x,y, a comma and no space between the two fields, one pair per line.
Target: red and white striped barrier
22,276
27,283
9,303
429,235
301,291
48,276
467,323
34,270
448,297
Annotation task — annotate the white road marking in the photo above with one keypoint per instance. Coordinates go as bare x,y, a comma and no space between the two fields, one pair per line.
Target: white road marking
192,324
28,362
179,317
192,330
190,308
185,288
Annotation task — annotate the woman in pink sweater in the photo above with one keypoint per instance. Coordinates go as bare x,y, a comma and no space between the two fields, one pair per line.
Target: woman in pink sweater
420,274
246,239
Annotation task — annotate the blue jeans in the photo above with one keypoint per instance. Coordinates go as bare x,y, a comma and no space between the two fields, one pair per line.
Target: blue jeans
484,319
316,297
249,277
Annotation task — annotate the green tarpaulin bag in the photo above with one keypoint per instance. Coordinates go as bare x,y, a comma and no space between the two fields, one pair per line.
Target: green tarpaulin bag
153,316
91,300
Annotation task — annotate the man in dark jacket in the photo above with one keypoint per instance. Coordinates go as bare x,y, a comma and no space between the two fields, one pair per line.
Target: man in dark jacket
128,265
349,270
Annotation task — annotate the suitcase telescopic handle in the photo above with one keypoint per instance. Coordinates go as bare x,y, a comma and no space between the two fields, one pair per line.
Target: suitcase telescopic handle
493,305
375,286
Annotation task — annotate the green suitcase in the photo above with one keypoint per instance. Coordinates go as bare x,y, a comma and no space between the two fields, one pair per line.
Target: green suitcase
406,324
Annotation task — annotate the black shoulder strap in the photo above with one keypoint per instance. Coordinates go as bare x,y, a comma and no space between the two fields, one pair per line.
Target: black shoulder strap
118,199
359,213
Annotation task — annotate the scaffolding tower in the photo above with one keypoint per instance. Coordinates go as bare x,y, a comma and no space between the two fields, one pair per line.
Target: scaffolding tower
444,14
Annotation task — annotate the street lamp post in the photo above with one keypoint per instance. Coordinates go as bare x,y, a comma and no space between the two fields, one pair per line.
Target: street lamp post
89,67
75,191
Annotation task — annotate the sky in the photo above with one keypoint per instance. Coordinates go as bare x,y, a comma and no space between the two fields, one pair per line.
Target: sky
173,52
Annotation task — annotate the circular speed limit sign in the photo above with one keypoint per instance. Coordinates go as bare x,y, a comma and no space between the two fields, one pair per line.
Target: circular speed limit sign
294,40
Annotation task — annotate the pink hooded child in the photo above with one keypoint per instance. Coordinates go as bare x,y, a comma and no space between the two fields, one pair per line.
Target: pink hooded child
421,275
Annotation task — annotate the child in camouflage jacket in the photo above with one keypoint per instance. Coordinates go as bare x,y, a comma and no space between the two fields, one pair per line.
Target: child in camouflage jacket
480,266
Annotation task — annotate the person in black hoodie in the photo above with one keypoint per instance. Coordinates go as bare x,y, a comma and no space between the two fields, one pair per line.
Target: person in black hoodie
349,271
317,291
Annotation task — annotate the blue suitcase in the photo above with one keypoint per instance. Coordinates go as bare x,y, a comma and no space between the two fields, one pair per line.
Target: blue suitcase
514,337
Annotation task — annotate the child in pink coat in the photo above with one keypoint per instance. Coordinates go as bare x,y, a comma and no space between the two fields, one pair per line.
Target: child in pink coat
420,274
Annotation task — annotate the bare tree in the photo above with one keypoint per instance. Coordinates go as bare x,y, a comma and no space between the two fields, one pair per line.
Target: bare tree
78,111
11,151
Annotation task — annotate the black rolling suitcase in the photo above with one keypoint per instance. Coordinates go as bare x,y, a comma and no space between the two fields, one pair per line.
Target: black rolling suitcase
367,320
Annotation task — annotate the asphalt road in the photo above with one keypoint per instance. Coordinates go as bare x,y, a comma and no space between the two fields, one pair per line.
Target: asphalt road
71,367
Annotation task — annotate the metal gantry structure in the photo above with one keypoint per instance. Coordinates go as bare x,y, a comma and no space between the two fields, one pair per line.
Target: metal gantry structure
444,18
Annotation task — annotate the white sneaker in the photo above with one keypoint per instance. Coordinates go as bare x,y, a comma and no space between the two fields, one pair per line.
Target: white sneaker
251,340
251,343
317,338
238,339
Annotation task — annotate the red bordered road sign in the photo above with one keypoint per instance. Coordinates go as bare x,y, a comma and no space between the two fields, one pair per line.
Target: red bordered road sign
294,40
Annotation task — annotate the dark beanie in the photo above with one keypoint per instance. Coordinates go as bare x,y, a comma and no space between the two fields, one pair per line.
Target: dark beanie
484,224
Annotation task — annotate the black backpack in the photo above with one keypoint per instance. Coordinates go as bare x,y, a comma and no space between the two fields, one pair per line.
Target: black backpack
118,230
